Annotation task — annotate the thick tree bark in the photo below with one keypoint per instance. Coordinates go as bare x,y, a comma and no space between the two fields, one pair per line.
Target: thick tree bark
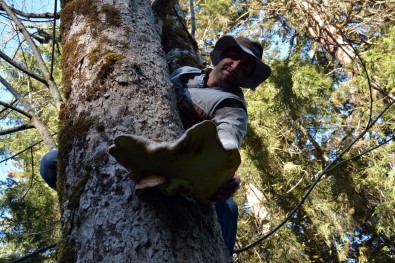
116,81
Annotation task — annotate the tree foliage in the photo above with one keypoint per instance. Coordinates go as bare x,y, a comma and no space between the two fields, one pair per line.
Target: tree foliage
316,103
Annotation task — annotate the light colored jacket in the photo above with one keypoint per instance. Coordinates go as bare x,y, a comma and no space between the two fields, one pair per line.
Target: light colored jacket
227,110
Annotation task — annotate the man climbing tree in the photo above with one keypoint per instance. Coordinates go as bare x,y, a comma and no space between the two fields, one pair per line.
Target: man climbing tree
116,81
308,113
210,94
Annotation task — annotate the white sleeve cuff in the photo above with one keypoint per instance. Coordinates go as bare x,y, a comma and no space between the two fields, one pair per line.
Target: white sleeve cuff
229,144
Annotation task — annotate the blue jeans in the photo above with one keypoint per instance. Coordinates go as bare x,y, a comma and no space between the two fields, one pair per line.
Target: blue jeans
227,211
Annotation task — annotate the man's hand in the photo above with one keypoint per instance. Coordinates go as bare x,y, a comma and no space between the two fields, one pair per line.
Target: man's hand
227,189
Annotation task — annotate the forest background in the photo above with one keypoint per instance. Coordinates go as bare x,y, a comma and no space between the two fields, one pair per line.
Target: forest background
324,118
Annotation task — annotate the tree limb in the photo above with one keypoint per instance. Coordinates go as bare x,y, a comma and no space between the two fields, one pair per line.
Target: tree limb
328,35
9,106
17,129
31,15
3,110
22,68
35,253
38,124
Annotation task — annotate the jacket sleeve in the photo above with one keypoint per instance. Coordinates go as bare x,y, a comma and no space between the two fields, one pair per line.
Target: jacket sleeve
231,124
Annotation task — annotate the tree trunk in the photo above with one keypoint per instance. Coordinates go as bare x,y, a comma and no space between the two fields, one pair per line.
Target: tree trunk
115,82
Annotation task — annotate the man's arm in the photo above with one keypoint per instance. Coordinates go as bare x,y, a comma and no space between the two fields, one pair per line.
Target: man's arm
231,120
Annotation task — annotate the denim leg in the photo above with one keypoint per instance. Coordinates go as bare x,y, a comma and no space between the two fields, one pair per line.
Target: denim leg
49,167
227,213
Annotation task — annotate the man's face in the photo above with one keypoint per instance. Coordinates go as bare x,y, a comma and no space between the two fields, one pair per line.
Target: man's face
234,67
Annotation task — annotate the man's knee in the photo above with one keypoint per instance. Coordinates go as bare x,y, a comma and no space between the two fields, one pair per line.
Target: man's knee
48,168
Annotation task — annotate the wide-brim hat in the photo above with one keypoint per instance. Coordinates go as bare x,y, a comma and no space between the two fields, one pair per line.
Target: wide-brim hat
261,72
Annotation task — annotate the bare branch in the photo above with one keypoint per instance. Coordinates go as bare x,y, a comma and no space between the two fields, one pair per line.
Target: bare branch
17,129
24,150
32,15
35,253
5,109
22,68
38,124
9,106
